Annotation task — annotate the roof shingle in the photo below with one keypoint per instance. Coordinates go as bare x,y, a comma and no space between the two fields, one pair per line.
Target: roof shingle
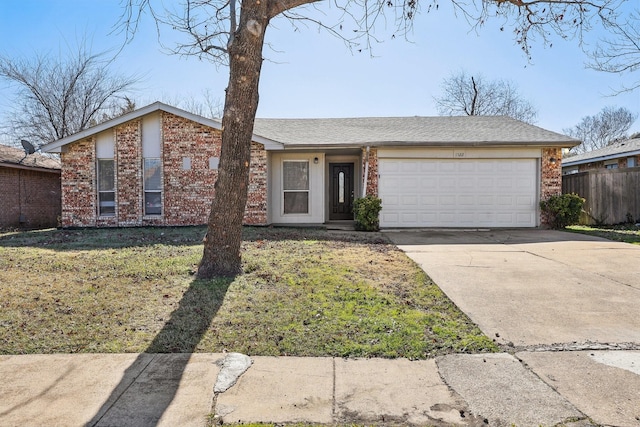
464,130
618,149
12,156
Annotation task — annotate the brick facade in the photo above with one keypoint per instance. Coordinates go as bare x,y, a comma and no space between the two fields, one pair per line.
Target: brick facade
550,176
372,178
188,180
29,198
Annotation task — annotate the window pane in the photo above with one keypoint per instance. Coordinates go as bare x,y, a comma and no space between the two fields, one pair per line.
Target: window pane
152,203
107,203
296,202
341,187
152,172
631,162
296,175
106,175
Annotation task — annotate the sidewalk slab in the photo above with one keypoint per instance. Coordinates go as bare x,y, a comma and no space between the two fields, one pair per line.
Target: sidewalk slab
395,391
60,389
280,389
604,385
172,390
498,388
107,389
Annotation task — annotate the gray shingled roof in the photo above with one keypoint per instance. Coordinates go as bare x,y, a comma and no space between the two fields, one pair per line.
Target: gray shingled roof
15,157
434,131
619,149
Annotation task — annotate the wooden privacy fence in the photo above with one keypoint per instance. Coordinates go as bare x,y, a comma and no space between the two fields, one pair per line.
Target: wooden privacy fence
612,195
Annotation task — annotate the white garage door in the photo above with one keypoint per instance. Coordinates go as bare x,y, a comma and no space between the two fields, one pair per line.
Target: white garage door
458,193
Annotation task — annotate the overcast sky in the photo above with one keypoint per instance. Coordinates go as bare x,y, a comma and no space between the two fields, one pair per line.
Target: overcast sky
310,73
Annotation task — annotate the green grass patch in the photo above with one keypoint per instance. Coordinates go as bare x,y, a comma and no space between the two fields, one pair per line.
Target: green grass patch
621,233
304,292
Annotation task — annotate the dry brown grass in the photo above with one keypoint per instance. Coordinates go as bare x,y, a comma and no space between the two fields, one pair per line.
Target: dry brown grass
304,292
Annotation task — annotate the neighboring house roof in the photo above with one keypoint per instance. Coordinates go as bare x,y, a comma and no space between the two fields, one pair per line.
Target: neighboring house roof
277,134
629,147
16,158
56,146
433,131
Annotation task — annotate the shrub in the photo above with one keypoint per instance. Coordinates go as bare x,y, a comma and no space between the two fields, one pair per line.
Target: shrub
562,209
366,210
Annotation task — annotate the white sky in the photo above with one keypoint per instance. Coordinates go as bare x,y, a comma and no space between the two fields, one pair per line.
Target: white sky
310,73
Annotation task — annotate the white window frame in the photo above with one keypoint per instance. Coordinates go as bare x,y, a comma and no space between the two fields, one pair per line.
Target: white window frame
285,191
100,191
632,159
611,164
146,191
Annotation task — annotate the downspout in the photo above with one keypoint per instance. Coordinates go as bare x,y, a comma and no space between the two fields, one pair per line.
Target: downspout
366,173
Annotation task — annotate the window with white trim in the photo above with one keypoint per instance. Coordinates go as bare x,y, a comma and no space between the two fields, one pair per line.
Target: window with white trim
570,170
611,165
106,187
152,165
631,162
105,174
295,185
152,187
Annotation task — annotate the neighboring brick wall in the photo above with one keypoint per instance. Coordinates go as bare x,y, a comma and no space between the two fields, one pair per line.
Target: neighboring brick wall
551,176
372,179
29,198
187,193
622,163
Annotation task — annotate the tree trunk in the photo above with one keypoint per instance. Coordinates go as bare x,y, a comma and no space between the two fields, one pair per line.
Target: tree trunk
221,255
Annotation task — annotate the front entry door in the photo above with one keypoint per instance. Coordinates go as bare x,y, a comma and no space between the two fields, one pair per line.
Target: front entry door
341,191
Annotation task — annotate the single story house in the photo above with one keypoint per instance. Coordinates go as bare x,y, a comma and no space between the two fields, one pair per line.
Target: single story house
157,166
619,155
29,189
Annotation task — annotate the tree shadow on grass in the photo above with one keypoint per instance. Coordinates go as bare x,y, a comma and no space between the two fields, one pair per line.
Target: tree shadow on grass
149,385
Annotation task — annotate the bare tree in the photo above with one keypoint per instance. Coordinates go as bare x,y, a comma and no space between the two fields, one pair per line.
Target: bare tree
620,53
57,97
465,95
608,126
232,32
207,105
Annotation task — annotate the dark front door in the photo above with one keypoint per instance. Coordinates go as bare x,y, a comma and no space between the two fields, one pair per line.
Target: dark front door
341,191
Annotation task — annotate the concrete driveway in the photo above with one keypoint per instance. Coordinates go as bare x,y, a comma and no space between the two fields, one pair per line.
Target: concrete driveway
534,287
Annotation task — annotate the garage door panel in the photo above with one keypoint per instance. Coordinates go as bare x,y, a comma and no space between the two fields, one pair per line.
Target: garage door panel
458,193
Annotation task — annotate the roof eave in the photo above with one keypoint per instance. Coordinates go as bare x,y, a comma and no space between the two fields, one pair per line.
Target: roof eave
599,158
31,168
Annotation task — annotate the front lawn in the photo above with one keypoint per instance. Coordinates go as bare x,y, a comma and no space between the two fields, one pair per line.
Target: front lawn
305,292
622,233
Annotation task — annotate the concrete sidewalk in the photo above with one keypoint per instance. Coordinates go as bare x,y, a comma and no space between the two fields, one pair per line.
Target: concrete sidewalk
525,389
